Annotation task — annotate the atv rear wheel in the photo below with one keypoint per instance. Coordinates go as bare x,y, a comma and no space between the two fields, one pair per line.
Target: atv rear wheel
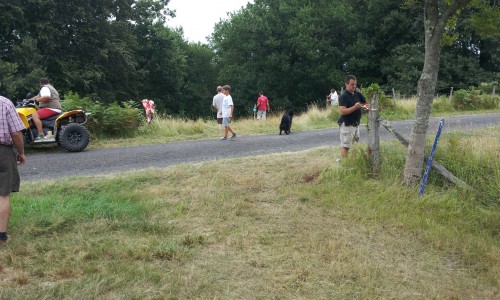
74,137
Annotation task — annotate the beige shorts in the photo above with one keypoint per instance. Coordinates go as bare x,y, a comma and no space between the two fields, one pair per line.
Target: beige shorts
348,134
261,114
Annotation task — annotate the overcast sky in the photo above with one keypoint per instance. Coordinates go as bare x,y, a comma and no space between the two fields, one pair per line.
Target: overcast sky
198,17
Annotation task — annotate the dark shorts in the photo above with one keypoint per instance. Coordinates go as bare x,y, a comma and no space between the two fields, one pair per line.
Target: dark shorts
219,120
9,176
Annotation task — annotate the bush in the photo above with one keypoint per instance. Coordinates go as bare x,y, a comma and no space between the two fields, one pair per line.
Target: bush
473,99
384,102
489,101
442,104
334,114
282,104
460,154
110,120
121,120
487,87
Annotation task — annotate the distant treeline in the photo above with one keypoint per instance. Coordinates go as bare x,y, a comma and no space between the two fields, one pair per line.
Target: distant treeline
293,50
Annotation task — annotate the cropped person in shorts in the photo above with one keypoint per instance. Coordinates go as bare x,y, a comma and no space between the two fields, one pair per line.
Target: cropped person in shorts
350,103
49,105
11,139
262,106
227,113
217,104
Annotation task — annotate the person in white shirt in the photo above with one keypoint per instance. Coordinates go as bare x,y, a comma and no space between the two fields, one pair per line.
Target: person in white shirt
334,97
217,104
49,105
227,113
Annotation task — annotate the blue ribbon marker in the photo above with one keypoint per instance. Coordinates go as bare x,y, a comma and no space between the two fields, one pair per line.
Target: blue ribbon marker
431,158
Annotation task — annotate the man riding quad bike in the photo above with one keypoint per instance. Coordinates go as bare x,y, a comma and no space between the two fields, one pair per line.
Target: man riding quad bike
66,128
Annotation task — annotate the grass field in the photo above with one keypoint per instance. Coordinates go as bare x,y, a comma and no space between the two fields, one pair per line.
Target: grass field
285,226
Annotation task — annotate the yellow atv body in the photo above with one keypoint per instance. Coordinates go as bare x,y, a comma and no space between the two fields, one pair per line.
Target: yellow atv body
67,128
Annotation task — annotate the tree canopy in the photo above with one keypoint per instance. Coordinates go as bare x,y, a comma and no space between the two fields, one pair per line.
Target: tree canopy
293,50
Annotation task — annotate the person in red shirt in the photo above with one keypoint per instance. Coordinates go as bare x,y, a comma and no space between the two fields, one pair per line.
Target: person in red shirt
262,106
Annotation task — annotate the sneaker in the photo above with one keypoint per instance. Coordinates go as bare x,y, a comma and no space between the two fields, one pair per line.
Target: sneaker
39,138
338,160
3,242
49,138
223,138
234,136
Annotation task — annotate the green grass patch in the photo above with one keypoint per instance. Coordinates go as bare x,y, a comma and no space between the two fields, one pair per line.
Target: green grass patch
292,225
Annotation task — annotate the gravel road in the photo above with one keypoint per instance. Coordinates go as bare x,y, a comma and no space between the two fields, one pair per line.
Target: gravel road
52,165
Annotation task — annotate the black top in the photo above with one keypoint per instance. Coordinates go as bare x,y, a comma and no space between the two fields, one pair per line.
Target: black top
348,99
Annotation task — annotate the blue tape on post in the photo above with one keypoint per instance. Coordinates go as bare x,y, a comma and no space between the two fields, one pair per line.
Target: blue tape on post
431,158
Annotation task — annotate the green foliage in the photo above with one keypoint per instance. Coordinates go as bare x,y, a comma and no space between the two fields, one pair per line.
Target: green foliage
94,236
384,102
487,19
108,120
58,214
403,66
461,99
461,155
282,104
198,85
459,152
122,120
487,87
442,105
334,114
293,50
285,48
473,99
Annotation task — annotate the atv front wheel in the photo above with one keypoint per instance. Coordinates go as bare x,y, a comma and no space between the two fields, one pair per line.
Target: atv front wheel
74,137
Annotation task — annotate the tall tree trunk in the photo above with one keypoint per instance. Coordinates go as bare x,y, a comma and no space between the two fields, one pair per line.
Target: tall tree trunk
434,27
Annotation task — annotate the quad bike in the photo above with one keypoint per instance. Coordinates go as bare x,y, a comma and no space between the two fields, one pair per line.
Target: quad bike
67,127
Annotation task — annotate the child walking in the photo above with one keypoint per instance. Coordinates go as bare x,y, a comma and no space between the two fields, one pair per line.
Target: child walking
227,113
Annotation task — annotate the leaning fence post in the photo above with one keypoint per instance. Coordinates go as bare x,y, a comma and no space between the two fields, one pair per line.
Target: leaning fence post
431,157
373,136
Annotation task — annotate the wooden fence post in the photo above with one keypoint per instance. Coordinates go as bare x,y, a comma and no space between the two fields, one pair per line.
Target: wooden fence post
394,96
451,94
494,88
374,137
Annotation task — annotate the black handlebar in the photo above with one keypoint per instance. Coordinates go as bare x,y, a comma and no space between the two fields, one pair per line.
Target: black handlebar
26,103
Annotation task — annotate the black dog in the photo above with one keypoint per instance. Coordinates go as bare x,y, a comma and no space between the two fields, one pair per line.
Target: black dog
286,121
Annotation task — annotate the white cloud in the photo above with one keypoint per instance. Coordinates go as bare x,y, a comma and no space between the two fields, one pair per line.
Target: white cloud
198,17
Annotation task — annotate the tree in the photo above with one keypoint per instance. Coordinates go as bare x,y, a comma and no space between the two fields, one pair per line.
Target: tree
199,84
289,49
437,16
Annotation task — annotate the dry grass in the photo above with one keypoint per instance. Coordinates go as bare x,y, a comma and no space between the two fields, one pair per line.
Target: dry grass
286,226
407,103
167,129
